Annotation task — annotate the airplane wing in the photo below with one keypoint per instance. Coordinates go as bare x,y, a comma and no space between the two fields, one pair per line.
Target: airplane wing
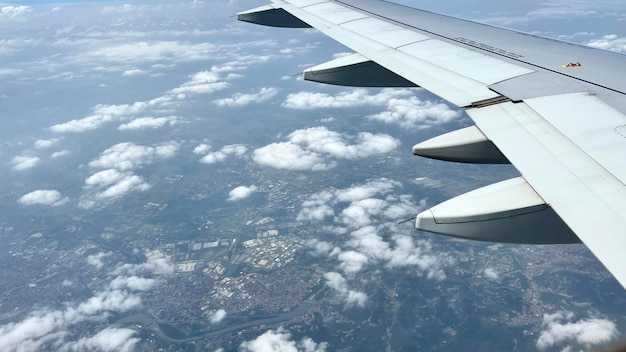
555,110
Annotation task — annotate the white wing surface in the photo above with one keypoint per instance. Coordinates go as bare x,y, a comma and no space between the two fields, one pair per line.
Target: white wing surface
555,110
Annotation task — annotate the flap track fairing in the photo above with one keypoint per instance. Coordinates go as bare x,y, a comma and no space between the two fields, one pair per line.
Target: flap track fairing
509,211
355,71
272,16
467,145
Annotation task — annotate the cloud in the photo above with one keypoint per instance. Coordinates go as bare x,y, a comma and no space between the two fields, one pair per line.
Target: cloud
127,156
413,113
559,328
610,42
311,149
339,284
202,148
117,180
46,143
96,259
133,72
241,192
14,13
281,341
108,185
217,316
108,339
59,154
364,217
142,52
143,123
345,99
239,99
237,150
103,114
43,197
55,329
25,162
291,156
204,82
133,283
125,8
491,273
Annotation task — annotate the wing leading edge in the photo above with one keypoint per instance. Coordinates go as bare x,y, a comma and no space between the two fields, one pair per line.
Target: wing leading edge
555,110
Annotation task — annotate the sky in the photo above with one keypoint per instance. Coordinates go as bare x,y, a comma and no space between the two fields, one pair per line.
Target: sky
104,91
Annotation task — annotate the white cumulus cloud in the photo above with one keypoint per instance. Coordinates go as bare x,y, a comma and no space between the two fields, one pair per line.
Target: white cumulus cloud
281,341
46,143
346,99
43,197
240,99
14,13
127,156
560,329
25,162
236,150
317,148
49,329
610,42
143,123
340,285
365,218
217,316
491,273
241,192
414,113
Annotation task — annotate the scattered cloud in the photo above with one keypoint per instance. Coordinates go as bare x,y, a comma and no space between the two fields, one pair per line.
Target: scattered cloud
491,273
345,99
239,99
241,192
109,185
96,259
117,178
281,341
59,154
25,162
202,148
217,316
46,143
127,156
339,284
610,42
413,113
143,52
103,114
559,329
203,82
133,72
403,107
43,197
14,13
317,148
47,329
236,150
125,8
364,218
143,123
